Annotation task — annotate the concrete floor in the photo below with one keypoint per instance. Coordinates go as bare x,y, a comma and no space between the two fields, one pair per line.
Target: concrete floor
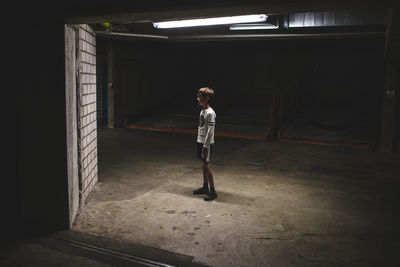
47,248
353,124
279,204
35,254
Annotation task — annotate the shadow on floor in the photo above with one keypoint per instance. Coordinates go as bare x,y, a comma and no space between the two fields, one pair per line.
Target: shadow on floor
223,196
71,248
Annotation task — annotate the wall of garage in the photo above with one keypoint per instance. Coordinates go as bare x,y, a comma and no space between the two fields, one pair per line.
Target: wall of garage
145,76
87,118
41,147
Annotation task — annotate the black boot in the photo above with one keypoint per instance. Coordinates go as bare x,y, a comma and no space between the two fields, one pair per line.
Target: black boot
211,196
201,190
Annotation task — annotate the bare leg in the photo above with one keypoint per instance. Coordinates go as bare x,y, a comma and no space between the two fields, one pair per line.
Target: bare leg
212,195
205,174
209,175
204,189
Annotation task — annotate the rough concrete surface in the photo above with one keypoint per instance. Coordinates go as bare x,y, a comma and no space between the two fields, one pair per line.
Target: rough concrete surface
279,204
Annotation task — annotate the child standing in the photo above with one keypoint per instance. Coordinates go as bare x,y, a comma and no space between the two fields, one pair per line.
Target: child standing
205,141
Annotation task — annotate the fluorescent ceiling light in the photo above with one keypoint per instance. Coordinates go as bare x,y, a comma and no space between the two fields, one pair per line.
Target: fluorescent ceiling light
210,21
300,25
253,27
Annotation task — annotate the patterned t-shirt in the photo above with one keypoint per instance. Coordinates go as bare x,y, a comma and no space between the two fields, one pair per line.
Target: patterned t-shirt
205,132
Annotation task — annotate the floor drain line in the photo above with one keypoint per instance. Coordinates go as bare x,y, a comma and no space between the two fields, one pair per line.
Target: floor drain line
113,253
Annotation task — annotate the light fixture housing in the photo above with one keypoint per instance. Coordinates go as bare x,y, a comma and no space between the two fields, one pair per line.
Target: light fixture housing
254,26
210,21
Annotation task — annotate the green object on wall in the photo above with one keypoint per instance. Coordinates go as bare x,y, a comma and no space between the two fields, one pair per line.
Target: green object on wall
107,25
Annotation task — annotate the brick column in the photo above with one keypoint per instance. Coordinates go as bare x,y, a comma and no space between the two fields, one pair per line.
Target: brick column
87,118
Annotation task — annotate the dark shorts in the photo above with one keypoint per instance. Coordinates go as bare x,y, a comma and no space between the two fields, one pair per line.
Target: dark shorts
200,149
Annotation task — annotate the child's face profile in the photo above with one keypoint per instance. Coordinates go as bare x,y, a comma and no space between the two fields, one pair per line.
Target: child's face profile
201,100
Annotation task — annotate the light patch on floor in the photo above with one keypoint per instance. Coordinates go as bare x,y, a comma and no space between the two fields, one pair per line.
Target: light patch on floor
278,204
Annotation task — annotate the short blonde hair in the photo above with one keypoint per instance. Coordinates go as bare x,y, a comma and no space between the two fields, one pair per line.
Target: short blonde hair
206,92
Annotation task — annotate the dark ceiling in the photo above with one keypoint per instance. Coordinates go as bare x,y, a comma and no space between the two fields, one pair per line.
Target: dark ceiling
338,23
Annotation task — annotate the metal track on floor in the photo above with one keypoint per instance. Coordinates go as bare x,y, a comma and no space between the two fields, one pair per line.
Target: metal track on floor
112,253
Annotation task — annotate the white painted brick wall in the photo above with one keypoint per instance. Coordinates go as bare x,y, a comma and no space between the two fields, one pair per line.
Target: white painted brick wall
87,111
100,76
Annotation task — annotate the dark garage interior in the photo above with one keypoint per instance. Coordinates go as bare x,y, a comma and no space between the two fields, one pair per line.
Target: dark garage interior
325,89
307,136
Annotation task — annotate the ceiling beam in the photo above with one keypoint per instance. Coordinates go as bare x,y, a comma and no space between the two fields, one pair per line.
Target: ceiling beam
135,35
258,36
218,37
